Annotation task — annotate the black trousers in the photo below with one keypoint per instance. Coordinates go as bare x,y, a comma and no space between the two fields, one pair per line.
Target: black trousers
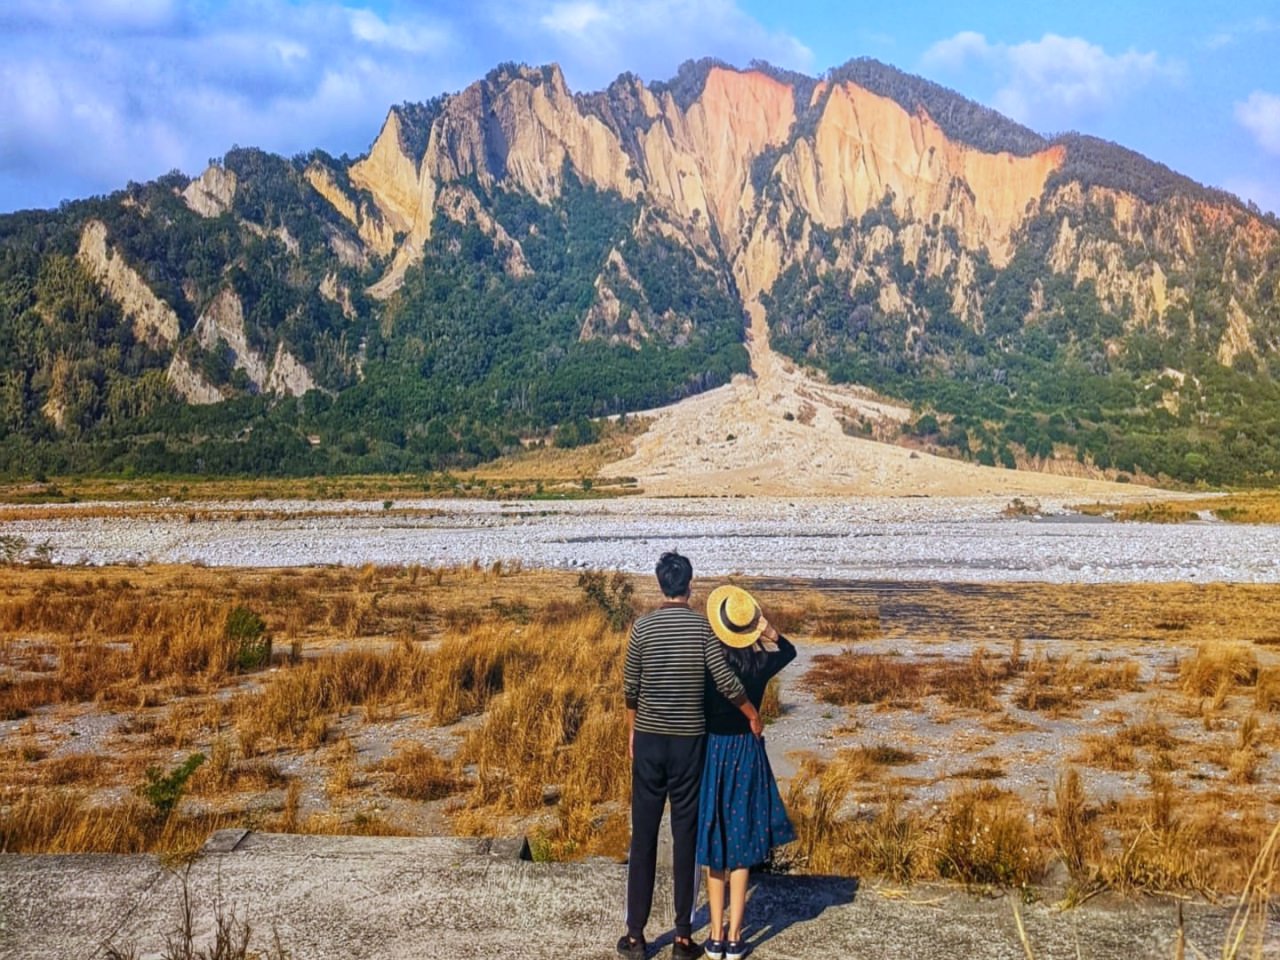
664,767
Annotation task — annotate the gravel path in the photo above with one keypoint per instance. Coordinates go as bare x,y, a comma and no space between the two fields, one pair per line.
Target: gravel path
933,539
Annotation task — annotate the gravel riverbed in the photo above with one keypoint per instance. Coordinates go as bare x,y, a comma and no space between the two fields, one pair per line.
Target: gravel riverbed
907,538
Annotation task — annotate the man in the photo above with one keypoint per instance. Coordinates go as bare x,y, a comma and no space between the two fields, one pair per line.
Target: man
670,652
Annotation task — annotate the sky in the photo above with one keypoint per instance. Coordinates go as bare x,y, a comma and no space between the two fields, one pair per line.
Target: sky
95,93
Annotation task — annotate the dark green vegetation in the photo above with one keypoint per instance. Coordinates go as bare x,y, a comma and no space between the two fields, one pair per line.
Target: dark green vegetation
1063,376
455,368
482,349
492,355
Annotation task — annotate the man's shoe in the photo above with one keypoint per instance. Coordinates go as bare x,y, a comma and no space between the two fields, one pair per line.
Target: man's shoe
686,951
633,948
736,950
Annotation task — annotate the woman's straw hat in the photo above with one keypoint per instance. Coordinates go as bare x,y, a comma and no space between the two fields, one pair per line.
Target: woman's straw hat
735,616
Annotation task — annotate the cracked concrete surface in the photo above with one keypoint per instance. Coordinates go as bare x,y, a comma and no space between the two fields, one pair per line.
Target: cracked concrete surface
377,898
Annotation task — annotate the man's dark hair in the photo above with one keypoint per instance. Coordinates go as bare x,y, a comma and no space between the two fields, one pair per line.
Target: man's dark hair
674,573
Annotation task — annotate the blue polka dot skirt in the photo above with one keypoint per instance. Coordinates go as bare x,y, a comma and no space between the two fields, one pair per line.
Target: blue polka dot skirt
740,812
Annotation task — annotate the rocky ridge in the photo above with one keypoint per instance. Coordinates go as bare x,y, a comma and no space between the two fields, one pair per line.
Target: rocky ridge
519,247
745,177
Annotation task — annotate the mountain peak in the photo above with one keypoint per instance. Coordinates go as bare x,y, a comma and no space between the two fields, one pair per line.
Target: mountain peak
515,255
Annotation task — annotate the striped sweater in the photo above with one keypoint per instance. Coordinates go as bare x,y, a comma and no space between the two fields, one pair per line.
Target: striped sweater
670,652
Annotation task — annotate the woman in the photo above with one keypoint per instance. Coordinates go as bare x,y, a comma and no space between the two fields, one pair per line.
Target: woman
740,813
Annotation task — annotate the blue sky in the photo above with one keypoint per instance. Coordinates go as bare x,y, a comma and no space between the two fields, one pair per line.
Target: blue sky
94,93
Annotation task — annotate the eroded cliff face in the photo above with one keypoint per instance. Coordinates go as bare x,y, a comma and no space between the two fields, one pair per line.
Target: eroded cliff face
867,148
221,325
755,177
705,155
1141,259
288,376
392,178
189,383
699,164
371,226
212,193
154,321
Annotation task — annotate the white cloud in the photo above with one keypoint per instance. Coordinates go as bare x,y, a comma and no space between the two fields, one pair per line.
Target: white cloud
104,15
1235,33
955,51
1260,115
410,37
595,40
573,19
85,108
1055,80
94,93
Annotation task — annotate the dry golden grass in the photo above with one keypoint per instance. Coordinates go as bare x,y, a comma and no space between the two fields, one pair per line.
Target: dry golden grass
869,763
1161,842
1249,922
523,673
900,681
555,468
151,642
986,838
892,843
357,824
1119,750
418,773
847,678
1218,667
582,829
62,821
981,836
1077,842
561,723
1247,506
1083,613
849,625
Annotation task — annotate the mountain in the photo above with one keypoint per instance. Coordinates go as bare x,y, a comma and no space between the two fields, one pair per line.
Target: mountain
517,256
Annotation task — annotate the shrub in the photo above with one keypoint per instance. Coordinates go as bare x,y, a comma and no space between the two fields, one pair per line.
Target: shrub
164,790
612,595
248,633
986,838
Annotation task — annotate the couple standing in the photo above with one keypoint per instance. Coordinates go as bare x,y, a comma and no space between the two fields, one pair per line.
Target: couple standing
693,687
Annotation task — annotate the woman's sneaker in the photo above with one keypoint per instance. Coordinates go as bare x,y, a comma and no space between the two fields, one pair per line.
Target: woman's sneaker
736,950
715,949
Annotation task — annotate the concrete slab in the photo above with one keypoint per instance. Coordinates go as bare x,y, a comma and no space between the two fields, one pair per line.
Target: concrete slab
435,898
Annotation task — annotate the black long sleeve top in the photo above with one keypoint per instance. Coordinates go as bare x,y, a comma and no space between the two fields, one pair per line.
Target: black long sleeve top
722,716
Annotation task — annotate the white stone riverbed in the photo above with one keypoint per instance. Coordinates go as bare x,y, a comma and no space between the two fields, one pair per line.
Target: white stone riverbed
952,539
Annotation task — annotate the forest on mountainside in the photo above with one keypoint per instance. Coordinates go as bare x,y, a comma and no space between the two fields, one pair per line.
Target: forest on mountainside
1161,404
455,369
521,316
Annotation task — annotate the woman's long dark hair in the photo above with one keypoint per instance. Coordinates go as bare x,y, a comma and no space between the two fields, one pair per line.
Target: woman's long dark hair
746,661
